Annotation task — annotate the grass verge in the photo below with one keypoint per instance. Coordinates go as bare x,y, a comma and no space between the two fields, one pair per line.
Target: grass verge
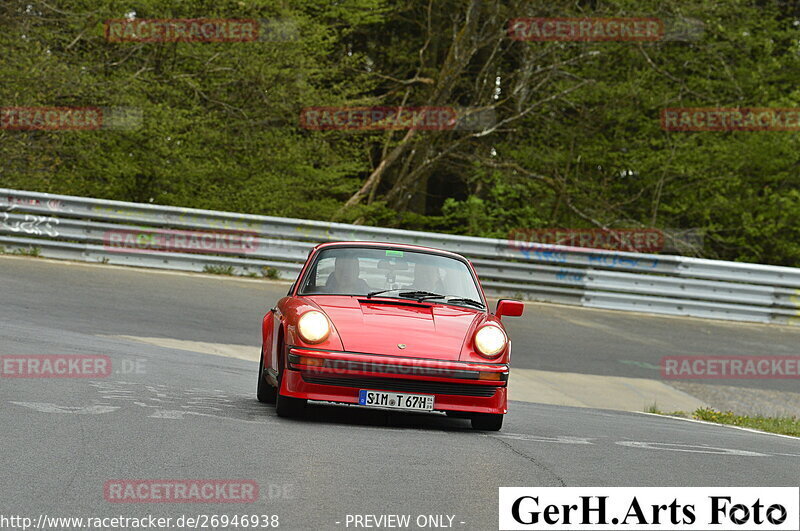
781,425
654,409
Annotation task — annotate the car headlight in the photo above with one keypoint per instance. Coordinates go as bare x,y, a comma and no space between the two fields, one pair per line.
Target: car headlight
490,340
313,327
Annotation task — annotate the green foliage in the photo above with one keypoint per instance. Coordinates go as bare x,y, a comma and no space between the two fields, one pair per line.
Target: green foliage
28,251
219,270
220,121
270,272
653,408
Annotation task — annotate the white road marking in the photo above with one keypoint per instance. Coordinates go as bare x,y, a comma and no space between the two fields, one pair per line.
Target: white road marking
172,414
691,448
161,402
562,439
46,407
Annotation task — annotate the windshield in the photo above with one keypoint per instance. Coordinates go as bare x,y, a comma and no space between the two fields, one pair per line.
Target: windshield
394,273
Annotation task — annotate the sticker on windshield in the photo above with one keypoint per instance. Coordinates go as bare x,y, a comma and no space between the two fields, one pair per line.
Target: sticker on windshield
394,253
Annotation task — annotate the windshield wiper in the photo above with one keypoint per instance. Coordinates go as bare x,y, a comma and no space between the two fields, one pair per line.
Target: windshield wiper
373,293
426,295
421,295
467,301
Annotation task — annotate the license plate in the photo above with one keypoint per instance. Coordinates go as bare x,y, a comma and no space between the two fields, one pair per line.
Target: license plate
385,399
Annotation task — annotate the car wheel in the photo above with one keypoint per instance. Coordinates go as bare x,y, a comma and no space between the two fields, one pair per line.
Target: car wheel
487,422
265,392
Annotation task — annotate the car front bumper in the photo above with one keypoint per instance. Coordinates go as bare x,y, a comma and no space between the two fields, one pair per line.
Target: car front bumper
338,377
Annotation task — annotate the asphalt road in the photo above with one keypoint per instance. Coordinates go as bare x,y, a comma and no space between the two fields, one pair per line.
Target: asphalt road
173,414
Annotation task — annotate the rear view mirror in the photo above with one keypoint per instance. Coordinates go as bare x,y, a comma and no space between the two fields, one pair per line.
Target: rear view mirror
394,264
509,308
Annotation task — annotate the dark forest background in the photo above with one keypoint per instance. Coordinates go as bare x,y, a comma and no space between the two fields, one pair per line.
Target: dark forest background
577,140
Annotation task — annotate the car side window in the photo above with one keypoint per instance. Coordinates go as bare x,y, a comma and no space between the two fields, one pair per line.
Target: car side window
318,276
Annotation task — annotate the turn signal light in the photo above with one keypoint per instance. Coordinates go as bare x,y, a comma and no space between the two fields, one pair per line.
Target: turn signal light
311,362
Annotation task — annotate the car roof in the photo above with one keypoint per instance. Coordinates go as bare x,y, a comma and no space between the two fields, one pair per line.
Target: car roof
405,246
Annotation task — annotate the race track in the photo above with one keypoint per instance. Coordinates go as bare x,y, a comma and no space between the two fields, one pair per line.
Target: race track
172,413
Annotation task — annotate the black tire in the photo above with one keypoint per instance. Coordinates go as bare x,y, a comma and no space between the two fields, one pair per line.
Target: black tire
487,422
288,406
265,392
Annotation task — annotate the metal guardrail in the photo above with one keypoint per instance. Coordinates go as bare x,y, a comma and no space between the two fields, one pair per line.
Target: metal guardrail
77,228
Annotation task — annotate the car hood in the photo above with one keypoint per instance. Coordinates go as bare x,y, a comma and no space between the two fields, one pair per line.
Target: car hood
378,326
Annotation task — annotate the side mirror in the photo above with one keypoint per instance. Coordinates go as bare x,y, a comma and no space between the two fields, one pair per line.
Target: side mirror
509,308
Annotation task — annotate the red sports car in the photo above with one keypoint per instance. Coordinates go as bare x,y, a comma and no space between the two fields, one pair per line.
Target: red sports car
388,326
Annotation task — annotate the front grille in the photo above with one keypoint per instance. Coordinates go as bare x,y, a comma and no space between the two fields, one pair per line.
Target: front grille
410,386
